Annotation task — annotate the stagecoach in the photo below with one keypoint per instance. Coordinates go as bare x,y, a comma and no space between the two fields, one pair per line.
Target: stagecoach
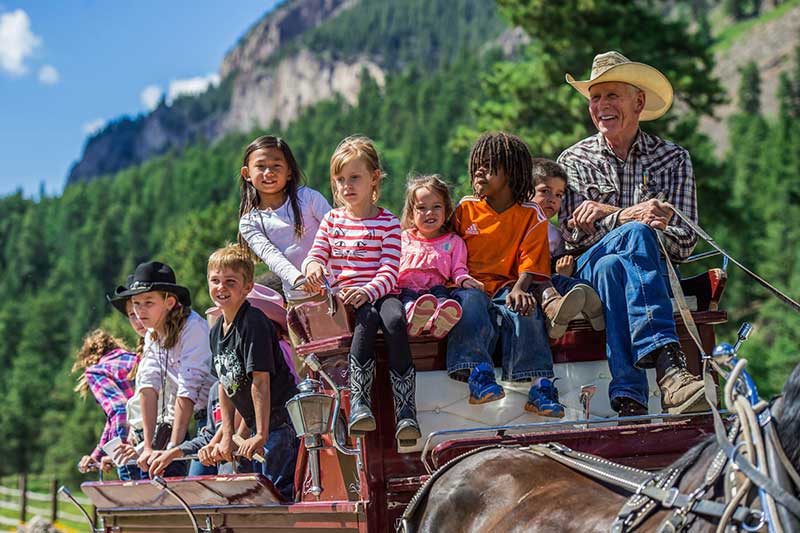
364,485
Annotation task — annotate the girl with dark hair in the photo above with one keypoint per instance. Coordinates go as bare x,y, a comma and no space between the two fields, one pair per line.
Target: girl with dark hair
278,216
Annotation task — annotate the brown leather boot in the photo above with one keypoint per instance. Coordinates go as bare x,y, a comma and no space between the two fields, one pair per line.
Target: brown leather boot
558,310
629,407
681,391
592,307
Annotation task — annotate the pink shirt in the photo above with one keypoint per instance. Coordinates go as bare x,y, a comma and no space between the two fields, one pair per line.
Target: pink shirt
425,263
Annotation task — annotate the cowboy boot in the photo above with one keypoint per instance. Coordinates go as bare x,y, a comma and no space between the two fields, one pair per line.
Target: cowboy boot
681,392
361,377
557,309
405,407
592,307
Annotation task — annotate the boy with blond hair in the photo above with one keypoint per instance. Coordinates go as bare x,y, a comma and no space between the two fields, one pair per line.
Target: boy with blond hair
254,378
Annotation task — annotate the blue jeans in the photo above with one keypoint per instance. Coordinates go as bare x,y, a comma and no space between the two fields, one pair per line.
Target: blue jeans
280,453
627,270
564,284
485,323
129,473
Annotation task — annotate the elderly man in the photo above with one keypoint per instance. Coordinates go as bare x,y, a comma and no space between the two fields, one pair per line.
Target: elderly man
619,181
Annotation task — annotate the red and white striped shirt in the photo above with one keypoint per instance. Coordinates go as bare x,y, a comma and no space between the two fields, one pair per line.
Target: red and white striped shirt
359,252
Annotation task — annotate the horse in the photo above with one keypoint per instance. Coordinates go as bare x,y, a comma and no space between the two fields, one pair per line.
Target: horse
511,489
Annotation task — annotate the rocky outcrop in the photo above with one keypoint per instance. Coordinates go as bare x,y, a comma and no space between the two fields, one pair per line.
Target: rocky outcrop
771,45
264,82
264,95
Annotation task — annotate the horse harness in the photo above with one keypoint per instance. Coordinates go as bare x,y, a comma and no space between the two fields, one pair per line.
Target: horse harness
652,491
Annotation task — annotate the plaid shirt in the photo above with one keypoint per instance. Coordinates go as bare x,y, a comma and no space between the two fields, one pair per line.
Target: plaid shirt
654,169
109,383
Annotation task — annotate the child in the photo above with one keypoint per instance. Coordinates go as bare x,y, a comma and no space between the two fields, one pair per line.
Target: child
550,184
174,376
506,238
359,243
106,365
432,257
278,217
254,379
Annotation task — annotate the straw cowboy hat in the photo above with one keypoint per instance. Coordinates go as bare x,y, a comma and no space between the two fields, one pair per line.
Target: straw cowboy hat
613,66
262,298
153,276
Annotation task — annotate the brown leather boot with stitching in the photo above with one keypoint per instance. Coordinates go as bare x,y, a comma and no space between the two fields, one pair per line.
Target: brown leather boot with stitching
681,391
558,310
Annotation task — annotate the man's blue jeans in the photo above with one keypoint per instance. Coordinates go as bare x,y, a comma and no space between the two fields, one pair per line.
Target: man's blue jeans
484,323
626,269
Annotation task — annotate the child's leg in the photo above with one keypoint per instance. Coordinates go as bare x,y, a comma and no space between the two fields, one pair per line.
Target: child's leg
558,309
526,355
448,312
592,307
362,370
418,310
401,369
280,454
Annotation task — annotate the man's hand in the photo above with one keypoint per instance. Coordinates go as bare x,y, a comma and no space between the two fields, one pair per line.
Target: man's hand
589,212
654,213
520,301
223,450
315,276
254,444
565,265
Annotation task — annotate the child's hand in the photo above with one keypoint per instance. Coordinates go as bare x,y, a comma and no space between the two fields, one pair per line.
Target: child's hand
520,301
472,283
143,462
160,460
124,453
565,265
205,455
106,463
254,444
223,450
354,296
315,276
87,464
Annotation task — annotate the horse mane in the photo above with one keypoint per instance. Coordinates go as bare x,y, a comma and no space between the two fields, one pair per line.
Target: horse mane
789,422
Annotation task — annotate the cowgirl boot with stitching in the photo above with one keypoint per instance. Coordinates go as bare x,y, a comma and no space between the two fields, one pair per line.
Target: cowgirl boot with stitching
558,310
405,407
361,377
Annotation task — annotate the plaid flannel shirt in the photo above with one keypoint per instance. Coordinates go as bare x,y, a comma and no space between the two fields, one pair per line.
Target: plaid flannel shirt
654,169
109,383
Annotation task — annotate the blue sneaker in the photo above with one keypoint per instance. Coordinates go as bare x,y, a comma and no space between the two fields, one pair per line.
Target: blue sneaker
543,400
483,388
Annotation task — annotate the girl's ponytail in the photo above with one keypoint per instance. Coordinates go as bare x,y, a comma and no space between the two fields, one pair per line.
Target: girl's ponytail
95,345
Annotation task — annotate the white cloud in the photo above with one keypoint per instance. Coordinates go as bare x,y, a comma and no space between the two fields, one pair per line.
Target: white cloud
49,75
195,85
93,126
17,42
150,96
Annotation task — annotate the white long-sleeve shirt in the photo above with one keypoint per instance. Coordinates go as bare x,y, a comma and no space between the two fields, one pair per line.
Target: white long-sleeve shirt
188,370
270,235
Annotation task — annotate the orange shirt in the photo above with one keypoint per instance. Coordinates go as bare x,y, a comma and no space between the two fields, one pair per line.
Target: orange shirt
502,246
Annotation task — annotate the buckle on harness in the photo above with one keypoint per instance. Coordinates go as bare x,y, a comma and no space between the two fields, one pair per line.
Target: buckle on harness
671,497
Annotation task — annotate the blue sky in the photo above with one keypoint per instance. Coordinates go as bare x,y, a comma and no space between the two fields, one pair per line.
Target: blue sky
67,67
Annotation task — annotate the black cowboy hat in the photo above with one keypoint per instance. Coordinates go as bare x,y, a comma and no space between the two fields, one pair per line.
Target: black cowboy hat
117,300
153,276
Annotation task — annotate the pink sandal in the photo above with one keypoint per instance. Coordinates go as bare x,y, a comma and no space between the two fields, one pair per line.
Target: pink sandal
418,314
446,316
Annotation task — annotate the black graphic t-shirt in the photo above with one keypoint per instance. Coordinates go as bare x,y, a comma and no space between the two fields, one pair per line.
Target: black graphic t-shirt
251,345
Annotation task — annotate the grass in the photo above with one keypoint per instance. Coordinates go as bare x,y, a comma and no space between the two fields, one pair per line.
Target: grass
40,485
730,34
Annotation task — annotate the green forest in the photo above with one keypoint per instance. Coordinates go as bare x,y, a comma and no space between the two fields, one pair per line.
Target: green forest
60,255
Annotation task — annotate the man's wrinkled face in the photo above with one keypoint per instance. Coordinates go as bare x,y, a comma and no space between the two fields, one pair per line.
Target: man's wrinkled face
615,108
